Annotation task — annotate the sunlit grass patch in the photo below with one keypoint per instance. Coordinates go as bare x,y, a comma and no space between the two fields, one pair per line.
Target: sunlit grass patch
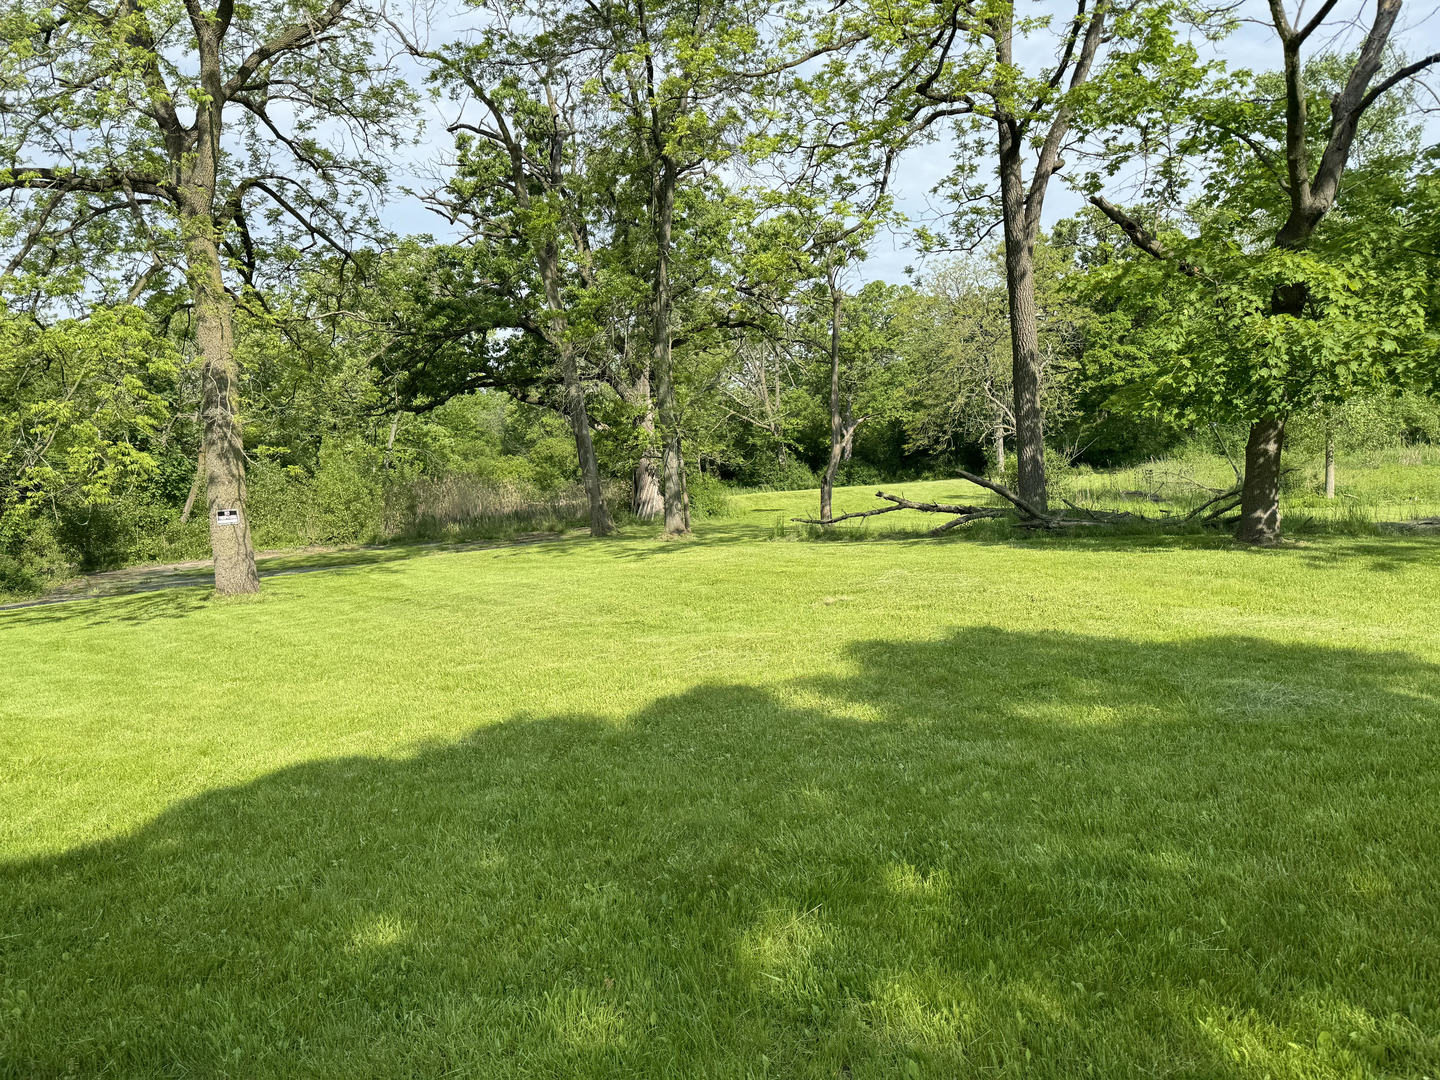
1015,807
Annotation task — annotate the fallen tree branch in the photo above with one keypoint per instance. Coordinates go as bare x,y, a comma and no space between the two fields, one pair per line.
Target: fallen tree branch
906,504
1223,497
965,519
848,517
1003,492
1025,514
1106,515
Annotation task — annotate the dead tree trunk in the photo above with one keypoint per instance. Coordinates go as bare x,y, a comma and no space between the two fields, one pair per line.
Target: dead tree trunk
1329,465
194,486
390,440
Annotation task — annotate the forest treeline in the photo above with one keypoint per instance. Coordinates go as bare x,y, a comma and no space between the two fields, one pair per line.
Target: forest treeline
647,274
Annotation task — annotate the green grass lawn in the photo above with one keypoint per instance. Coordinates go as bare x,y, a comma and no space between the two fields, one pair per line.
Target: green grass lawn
737,806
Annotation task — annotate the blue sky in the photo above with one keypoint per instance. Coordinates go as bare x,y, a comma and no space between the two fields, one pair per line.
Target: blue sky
1253,46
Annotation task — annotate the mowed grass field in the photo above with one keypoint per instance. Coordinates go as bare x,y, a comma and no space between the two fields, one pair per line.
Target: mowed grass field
737,806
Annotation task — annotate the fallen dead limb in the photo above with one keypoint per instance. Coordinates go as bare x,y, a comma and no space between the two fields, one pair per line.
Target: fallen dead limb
965,519
1230,499
1106,515
1026,515
851,517
971,512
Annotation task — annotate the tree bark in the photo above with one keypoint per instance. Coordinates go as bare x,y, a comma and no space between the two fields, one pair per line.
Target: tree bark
222,444
837,422
1024,327
574,389
999,450
224,451
645,501
1312,196
1260,496
600,523
194,486
1329,465
677,510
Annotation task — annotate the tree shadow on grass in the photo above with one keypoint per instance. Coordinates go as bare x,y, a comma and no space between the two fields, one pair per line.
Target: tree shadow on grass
999,853
169,600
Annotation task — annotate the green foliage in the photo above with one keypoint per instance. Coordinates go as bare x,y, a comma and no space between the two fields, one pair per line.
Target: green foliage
86,440
771,474
1211,346
708,495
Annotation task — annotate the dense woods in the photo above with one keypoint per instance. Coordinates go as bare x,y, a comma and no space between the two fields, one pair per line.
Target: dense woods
647,277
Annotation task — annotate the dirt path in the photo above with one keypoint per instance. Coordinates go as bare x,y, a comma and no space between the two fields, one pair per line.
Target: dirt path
197,572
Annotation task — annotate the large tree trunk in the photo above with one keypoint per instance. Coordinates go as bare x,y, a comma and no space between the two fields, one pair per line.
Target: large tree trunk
1260,490
574,389
645,499
837,422
600,524
214,313
1260,496
1329,465
223,449
1024,328
677,510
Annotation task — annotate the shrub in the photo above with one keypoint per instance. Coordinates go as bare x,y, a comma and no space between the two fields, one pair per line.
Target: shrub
708,496
768,474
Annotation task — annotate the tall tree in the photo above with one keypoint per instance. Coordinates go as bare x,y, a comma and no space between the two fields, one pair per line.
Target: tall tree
965,63
680,74
177,120
522,183
1308,164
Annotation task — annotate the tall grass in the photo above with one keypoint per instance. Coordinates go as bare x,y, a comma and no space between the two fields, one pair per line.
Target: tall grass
470,507
1399,483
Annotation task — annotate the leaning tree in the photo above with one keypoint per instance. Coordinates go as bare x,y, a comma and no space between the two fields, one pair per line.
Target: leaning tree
137,137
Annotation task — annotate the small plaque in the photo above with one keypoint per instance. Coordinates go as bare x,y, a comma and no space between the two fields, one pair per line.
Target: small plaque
227,517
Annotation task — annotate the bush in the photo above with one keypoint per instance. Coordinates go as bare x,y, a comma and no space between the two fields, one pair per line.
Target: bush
769,474
855,472
32,560
341,502
708,496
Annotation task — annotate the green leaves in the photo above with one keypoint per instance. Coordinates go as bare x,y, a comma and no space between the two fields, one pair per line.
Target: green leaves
1215,347
83,408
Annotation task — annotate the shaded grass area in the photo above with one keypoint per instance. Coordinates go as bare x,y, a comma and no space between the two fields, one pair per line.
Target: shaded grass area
197,574
727,807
